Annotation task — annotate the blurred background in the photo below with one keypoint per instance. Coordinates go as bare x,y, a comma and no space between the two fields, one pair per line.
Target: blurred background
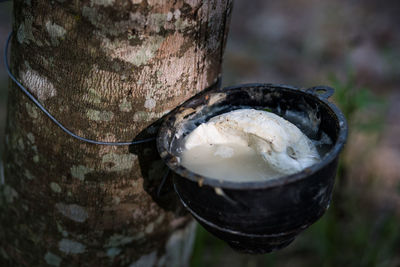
353,46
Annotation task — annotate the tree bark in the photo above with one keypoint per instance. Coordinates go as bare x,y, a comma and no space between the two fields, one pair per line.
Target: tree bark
108,70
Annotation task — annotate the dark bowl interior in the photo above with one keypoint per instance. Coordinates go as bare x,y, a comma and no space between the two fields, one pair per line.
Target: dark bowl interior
258,217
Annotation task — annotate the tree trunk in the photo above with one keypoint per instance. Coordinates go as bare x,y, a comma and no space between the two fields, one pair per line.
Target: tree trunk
108,70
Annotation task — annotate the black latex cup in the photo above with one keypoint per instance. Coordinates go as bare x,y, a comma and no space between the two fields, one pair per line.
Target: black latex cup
257,217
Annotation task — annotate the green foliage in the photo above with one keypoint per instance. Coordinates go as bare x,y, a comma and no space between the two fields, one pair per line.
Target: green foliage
363,109
356,238
204,244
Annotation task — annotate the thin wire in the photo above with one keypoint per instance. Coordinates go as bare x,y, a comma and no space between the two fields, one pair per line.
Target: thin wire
37,103
162,182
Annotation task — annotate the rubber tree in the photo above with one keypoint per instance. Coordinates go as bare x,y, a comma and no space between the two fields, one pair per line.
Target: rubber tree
108,70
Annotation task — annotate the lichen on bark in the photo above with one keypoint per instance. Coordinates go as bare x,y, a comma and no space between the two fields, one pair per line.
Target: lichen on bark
108,70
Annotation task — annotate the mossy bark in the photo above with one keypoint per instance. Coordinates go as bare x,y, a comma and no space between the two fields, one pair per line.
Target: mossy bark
108,70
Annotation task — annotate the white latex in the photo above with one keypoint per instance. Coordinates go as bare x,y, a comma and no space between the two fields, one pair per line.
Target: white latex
282,146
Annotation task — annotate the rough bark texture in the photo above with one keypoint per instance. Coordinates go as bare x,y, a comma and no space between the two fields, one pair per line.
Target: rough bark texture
108,70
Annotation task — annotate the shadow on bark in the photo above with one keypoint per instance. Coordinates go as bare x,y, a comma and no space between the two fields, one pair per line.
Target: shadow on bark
153,170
